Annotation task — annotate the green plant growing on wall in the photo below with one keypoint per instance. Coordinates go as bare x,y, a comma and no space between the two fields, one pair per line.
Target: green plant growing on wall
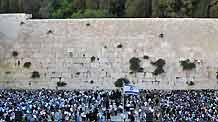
158,70
121,81
145,57
190,83
135,65
159,64
92,58
61,84
14,53
187,66
27,65
35,74
119,46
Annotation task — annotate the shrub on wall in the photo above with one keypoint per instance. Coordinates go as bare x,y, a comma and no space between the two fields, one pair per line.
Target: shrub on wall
158,70
187,64
61,84
27,64
119,46
159,63
190,83
135,65
14,53
159,66
119,82
146,57
35,74
92,58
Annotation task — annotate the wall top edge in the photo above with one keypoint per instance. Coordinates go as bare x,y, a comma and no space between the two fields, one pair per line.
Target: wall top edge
29,16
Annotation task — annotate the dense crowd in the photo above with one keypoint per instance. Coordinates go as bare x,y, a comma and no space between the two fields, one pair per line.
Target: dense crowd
75,106
189,106
46,105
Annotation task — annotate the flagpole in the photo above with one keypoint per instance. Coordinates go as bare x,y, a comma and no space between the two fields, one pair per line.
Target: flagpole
123,104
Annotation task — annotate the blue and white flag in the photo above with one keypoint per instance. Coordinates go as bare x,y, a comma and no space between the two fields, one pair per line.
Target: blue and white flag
130,89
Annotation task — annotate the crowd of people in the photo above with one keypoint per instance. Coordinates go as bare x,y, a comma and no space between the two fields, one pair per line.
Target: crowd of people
189,106
46,105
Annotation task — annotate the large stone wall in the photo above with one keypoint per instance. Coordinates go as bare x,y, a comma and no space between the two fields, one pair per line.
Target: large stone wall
78,51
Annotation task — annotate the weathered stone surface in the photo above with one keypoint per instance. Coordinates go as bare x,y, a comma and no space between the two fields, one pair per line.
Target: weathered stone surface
77,51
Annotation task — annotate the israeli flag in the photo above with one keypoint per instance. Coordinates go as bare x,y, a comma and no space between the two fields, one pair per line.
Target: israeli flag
130,89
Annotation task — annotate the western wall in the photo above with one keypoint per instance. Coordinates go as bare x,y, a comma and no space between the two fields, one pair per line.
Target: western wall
94,53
